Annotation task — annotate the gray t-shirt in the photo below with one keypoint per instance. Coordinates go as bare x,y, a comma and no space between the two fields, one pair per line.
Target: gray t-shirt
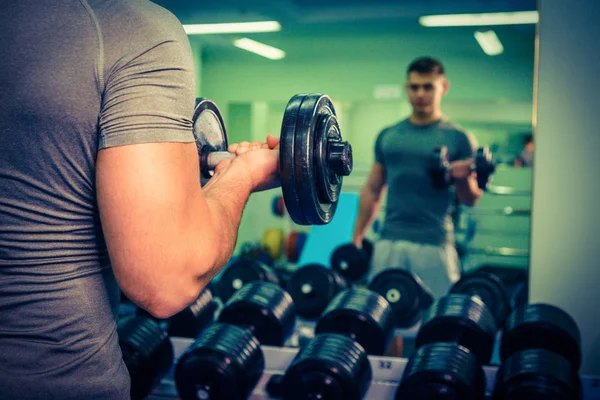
76,76
416,211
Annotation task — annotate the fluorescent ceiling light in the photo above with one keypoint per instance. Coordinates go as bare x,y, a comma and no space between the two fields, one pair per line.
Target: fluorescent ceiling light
508,18
259,48
489,42
238,27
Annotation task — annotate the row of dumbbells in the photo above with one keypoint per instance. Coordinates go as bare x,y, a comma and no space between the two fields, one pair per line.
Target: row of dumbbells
539,348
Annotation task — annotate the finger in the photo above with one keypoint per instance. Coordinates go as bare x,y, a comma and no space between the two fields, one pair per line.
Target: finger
272,141
242,148
233,148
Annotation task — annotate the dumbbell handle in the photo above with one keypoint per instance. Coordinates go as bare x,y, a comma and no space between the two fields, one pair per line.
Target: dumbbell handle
339,158
215,157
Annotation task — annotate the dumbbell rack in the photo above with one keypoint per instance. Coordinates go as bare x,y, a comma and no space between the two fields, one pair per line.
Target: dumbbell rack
387,372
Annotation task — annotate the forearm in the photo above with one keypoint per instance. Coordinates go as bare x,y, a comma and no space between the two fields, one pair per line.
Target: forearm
467,190
369,205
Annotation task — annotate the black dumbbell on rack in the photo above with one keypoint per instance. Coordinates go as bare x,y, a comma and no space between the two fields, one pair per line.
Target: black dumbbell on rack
334,364
541,355
242,271
351,262
455,340
145,344
312,287
440,170
407,295
226,361
488,287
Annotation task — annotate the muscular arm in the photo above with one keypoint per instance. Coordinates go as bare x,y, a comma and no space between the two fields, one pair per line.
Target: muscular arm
370,202
166,236
465,183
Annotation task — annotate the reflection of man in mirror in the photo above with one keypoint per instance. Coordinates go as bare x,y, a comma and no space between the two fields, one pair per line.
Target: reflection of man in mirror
417,232
525,157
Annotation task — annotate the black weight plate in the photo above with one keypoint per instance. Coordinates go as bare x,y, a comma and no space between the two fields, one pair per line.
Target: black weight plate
542,326
209,132
195,317
265,309
312,287
442,371
330,366
310,209
287,160
224,363
462,319
328,182
350,262
361,314
240,272
489,288
402,291
537,374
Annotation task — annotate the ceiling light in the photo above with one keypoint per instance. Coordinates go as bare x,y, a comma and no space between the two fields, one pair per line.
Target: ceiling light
238,27
489,42
259,48
507,18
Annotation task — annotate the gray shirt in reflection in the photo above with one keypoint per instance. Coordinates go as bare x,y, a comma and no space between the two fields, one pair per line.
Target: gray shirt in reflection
416,211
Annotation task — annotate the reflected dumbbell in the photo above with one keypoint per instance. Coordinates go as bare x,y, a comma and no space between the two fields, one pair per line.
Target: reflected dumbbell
541,354
334,364
460,319
440,168
312,287
226,361
406,294
294,244
489,288
242,271
442,371
351,262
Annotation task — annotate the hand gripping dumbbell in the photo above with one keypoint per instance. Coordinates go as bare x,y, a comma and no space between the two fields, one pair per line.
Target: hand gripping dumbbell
226,361
313,158
334,364
146,347
440,169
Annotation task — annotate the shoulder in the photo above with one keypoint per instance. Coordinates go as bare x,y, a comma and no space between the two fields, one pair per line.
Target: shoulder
397,127
459,133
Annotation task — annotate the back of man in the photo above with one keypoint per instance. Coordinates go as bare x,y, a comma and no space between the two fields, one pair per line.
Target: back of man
65,91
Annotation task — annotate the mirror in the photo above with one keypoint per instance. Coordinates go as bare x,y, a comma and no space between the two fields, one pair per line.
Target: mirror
358,54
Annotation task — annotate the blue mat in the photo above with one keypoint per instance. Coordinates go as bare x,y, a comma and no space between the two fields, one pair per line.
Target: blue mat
324,239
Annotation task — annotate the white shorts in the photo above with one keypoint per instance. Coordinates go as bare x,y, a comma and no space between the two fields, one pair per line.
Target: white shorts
437,267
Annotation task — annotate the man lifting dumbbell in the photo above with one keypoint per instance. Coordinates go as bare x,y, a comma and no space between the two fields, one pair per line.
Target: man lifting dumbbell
418,234
100,188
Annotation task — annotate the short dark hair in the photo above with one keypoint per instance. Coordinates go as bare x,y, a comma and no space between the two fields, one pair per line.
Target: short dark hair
426,65
528,138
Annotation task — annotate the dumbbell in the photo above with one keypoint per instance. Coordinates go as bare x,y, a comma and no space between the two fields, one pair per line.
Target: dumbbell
541,354
226,361
350,261
461,319
442,370
313,158
406,294
489,288
312,287
190,321
440,170
240,272
147,352
334,364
